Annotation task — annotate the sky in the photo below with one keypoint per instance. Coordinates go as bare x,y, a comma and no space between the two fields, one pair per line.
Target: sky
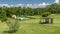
25,1
29,3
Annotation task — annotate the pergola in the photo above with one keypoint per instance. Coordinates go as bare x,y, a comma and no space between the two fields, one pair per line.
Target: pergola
46,20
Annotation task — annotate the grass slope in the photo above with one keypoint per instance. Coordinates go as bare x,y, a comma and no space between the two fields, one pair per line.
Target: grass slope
32,27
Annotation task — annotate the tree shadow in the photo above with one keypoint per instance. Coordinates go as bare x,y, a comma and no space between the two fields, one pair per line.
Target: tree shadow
10,31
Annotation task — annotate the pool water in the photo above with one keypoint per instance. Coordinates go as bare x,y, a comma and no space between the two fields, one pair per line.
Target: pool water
22,18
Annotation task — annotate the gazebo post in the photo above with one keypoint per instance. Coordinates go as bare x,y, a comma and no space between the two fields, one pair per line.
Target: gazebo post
51,20
46,20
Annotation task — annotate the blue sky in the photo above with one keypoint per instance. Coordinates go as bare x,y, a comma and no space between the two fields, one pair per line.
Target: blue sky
25,1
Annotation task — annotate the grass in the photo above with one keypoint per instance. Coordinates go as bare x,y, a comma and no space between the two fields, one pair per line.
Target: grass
32,26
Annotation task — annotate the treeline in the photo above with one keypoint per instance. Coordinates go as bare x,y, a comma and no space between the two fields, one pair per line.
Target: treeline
8,12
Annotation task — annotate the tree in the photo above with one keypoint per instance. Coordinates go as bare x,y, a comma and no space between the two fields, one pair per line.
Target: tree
54,8
13,25
3,16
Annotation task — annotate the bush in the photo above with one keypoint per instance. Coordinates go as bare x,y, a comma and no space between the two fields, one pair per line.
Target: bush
3,16
45,14
13,25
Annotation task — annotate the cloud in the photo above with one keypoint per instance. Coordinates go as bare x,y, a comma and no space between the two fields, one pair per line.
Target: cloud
11,5
43,5
29,5
56,1
17,5
40,5
21,5
1,5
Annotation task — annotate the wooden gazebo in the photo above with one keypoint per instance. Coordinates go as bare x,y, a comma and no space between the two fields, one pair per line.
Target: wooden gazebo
46,20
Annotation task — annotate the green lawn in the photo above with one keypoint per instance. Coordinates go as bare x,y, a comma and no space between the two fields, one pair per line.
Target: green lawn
32,26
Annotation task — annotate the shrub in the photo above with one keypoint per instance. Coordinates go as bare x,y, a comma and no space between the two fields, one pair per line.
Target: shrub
13,25
45,14
3,16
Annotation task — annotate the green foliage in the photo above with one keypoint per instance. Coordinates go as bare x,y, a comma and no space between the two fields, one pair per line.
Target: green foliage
45,14
32,27
53,8
3,16
13,25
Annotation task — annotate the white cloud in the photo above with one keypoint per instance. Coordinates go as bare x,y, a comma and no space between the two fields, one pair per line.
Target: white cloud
11,5
56,1
41,5
19,5
29,5
1,5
